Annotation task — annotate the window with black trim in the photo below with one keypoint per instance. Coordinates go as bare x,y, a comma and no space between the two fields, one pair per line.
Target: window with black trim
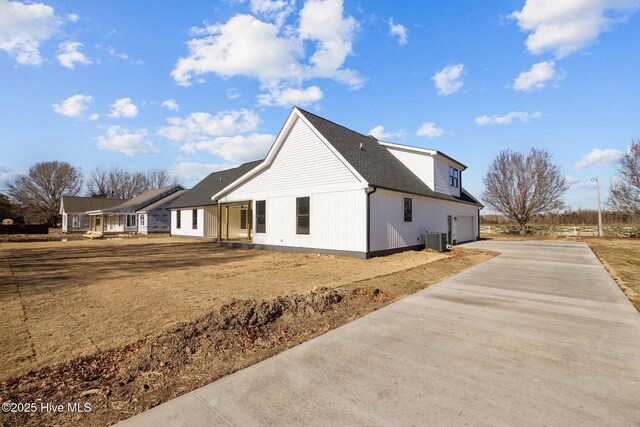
453,176
261,216
408,209
194,218
243,219
131,220
302,215
178,219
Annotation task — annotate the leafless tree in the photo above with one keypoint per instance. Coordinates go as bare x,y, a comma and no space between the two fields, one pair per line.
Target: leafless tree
624,190
521,186
118,183
38,194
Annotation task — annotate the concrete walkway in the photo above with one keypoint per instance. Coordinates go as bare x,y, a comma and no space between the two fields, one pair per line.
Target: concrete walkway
540,335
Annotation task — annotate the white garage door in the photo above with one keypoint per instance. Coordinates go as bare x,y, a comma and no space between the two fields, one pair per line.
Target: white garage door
464,229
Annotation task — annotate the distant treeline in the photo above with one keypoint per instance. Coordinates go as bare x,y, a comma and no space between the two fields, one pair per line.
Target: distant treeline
577,217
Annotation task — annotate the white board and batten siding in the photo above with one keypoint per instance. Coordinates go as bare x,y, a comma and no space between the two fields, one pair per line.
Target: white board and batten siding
388,229
441,177
306,167
421,164
207,225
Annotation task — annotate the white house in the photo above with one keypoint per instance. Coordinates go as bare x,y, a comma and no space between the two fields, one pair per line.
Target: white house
194,213
133,215
74,211
325,188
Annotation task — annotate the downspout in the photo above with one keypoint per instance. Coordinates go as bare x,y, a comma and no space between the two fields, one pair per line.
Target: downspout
369,190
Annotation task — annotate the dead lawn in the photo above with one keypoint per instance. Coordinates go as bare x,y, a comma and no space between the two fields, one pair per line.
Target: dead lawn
61,300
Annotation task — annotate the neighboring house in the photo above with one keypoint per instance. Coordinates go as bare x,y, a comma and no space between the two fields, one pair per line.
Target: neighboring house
194,213
74,211
325,188
156,217
124,218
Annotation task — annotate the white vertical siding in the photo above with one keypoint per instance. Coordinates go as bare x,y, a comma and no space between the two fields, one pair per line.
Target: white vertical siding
303,161
388,229
210,216
337,221
421,164
186,228
442,178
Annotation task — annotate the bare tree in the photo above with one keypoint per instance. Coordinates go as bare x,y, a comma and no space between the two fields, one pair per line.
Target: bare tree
521,187
624,190
120,184
38,194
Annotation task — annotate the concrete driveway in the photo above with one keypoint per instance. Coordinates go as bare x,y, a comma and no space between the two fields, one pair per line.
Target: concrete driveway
540,335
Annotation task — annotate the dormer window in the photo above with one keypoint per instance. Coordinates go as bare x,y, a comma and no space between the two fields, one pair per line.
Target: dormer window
453,176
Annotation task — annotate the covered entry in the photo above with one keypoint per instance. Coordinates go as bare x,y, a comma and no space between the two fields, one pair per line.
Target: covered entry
234,221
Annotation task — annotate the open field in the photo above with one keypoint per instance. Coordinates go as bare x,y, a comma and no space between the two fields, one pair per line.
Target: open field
620,255
137,322
614,230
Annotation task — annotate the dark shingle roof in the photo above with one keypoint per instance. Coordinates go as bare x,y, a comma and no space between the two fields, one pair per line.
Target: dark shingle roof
84,204
143,200
200,194
164,200
374,162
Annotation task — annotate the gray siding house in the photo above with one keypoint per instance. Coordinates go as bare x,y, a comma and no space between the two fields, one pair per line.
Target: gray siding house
74,211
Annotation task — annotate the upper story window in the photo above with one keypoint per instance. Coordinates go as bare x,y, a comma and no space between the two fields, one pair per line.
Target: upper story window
453,176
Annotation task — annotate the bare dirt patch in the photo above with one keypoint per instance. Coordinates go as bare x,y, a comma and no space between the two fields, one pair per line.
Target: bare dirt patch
243,321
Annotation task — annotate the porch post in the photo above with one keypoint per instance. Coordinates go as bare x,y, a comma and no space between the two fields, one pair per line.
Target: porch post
249,220
219,222
226,217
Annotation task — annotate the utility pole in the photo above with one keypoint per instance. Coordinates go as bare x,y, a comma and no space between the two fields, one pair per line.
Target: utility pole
599,208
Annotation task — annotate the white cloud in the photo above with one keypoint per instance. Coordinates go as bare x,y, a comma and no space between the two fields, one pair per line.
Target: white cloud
289,96
448,80
171,105
379,133
598,156
276,10
238,148
73,17
322,21
120,55
193,171
69,54
537,77
430,130
232,93
127,142
576,183
506,119
399,31
73,106
94,117
23,27
123,108
272,53
201,126
6,174
564,27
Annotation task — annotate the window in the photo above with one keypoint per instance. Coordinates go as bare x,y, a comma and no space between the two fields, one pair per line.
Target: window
408,209
178,219
302,214
453,176
131,220
243,219
194,218
261,216
141,220
76,220
98,221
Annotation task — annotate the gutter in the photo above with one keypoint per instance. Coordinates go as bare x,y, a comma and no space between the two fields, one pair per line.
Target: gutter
369,190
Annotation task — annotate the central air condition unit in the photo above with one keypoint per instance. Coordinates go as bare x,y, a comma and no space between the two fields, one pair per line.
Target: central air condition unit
436,241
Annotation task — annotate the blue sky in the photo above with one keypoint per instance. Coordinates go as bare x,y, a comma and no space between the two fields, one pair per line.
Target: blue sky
207,86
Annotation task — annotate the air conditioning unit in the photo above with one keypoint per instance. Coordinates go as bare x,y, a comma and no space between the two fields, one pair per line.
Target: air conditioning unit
436,241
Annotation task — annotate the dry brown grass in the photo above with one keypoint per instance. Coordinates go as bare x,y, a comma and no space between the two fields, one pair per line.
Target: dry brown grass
61,300
620,255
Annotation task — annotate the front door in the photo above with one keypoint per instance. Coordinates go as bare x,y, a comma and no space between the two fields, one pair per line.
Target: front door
449,237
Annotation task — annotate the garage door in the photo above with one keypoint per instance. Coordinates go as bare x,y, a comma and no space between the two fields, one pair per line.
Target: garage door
465,231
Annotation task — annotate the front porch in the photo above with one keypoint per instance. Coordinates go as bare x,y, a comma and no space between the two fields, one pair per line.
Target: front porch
234,224
110,223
